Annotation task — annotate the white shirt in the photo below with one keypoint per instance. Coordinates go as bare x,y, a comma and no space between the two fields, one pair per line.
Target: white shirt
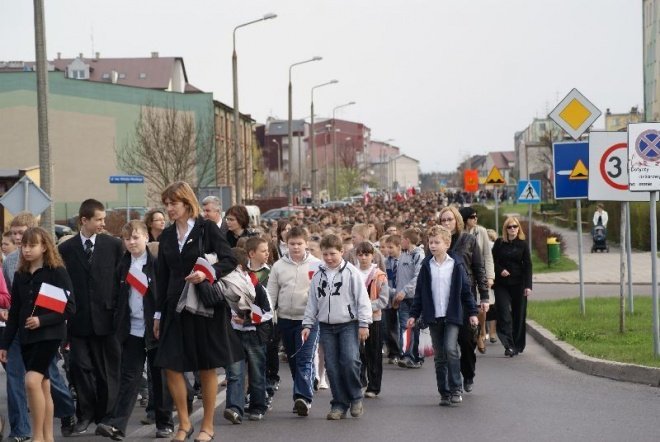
135,300
92,238
182,242
441,284
603,215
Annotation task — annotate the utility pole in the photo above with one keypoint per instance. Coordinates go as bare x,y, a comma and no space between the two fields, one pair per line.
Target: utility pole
45,169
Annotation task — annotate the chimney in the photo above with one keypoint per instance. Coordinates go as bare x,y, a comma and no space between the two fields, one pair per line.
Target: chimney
114,75
80,55
154,55
59,55
98,55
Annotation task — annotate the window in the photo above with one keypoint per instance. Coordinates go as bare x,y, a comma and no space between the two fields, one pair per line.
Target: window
122,75
106,76
143,75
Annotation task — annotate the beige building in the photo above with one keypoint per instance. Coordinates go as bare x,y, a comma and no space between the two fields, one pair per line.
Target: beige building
651,54
619,122
405,171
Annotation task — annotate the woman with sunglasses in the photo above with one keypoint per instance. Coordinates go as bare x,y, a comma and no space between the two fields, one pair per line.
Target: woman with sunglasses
513,284
465,245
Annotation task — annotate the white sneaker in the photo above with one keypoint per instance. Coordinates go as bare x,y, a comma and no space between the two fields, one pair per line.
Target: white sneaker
323,385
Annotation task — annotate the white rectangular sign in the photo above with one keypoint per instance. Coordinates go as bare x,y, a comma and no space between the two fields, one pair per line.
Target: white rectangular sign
644,157
608,171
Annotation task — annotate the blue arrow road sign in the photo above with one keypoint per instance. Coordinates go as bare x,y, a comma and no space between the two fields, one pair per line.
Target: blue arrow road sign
126,179
529,191
571,169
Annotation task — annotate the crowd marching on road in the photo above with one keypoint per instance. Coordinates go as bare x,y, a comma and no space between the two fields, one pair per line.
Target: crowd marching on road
334,292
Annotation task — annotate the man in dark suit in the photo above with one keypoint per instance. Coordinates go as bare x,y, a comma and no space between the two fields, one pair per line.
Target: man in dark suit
91,259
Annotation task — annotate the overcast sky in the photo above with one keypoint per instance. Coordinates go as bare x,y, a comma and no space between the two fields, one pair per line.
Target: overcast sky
444,78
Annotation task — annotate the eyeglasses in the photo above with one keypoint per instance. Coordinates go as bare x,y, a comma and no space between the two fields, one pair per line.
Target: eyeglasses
473,216
512,226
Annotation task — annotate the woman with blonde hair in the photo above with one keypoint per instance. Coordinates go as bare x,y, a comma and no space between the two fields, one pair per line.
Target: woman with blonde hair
465,245
513,284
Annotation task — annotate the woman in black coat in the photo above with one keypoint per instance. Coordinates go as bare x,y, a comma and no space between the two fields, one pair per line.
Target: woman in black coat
465,245
190,342
513,284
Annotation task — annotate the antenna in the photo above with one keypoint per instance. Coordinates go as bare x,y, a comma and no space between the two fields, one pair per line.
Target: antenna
91,37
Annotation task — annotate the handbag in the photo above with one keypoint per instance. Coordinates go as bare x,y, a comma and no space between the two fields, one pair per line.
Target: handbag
209,294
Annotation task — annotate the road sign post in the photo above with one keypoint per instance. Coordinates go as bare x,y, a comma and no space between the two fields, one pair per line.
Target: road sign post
529,191
496,179
644,175
126,180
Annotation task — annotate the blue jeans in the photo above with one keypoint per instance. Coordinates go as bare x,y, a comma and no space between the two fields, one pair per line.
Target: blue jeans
404,314
17,407
342,363
255,356
302,364
444,337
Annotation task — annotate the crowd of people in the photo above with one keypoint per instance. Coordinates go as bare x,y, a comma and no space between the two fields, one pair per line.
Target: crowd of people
334,292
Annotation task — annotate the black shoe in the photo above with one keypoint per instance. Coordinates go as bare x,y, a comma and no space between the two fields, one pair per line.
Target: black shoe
147,420
81,427
316,384
162,433
467,385
68,424
105,430
21,439
509,352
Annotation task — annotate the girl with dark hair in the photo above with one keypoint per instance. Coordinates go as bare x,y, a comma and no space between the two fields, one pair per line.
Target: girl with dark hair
238,220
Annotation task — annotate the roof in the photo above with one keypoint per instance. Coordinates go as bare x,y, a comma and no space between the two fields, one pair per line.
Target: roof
405,156
502,160
281,127
149,72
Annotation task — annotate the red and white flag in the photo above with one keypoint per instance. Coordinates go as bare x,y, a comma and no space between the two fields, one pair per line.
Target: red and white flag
206,268
312,267
407,340
52,298
257,315
138,280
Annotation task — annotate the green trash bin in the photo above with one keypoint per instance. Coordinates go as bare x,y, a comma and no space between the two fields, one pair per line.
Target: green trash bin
554,250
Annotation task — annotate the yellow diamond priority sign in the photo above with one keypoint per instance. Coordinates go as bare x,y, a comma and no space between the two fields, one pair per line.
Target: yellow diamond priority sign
575,114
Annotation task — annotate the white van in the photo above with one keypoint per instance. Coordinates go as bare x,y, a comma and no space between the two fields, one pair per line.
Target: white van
255,216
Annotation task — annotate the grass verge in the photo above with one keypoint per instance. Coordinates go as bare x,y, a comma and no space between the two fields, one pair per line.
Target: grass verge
565,264
597,333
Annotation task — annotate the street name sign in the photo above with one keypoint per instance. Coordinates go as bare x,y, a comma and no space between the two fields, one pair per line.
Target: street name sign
644,157
608,159
126,179
575,114
570,160
25,195
529,191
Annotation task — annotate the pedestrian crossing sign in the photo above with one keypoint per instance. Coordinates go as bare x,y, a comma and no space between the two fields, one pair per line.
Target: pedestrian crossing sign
529,191
495,177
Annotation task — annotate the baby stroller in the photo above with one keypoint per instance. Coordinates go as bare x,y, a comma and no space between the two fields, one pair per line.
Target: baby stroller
599,236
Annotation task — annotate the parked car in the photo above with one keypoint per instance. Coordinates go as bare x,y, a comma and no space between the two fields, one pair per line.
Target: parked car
276,214
335,204
61,231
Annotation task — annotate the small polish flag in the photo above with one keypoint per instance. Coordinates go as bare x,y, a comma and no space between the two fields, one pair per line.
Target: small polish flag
257,315
312,268
52,298
206,268
138,280
407,340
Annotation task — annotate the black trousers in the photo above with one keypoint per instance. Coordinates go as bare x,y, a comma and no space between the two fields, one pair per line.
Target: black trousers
95,362
133,355
273,359
468,356
163,404
371,355
390,332
511,315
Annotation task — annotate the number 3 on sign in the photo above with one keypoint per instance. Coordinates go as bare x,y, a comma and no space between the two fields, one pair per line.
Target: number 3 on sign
611,166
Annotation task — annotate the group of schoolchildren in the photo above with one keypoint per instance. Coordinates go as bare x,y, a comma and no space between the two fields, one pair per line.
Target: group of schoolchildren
350,300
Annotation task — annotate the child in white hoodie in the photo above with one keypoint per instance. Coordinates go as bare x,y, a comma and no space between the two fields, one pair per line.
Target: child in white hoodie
338,298
288,287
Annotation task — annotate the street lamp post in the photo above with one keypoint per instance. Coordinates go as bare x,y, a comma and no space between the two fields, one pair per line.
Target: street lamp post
290,122
387,146
313,142
238,155
334,145
279,166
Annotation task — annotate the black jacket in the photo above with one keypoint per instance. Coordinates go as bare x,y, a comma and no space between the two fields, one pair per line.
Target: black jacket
461,299
514,257
93,284
173,267
23,295
123,318
465,245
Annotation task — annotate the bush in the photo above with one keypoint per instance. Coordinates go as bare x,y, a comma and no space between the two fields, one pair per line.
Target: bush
540,235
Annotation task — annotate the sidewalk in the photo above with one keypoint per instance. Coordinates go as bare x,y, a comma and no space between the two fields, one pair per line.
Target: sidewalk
598,268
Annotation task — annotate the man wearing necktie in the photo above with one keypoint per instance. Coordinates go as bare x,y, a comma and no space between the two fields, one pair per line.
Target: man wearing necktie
91,259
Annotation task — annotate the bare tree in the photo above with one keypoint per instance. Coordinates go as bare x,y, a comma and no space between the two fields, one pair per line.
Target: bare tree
169,145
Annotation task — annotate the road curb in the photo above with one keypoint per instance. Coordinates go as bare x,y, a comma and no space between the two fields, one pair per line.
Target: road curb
575,359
